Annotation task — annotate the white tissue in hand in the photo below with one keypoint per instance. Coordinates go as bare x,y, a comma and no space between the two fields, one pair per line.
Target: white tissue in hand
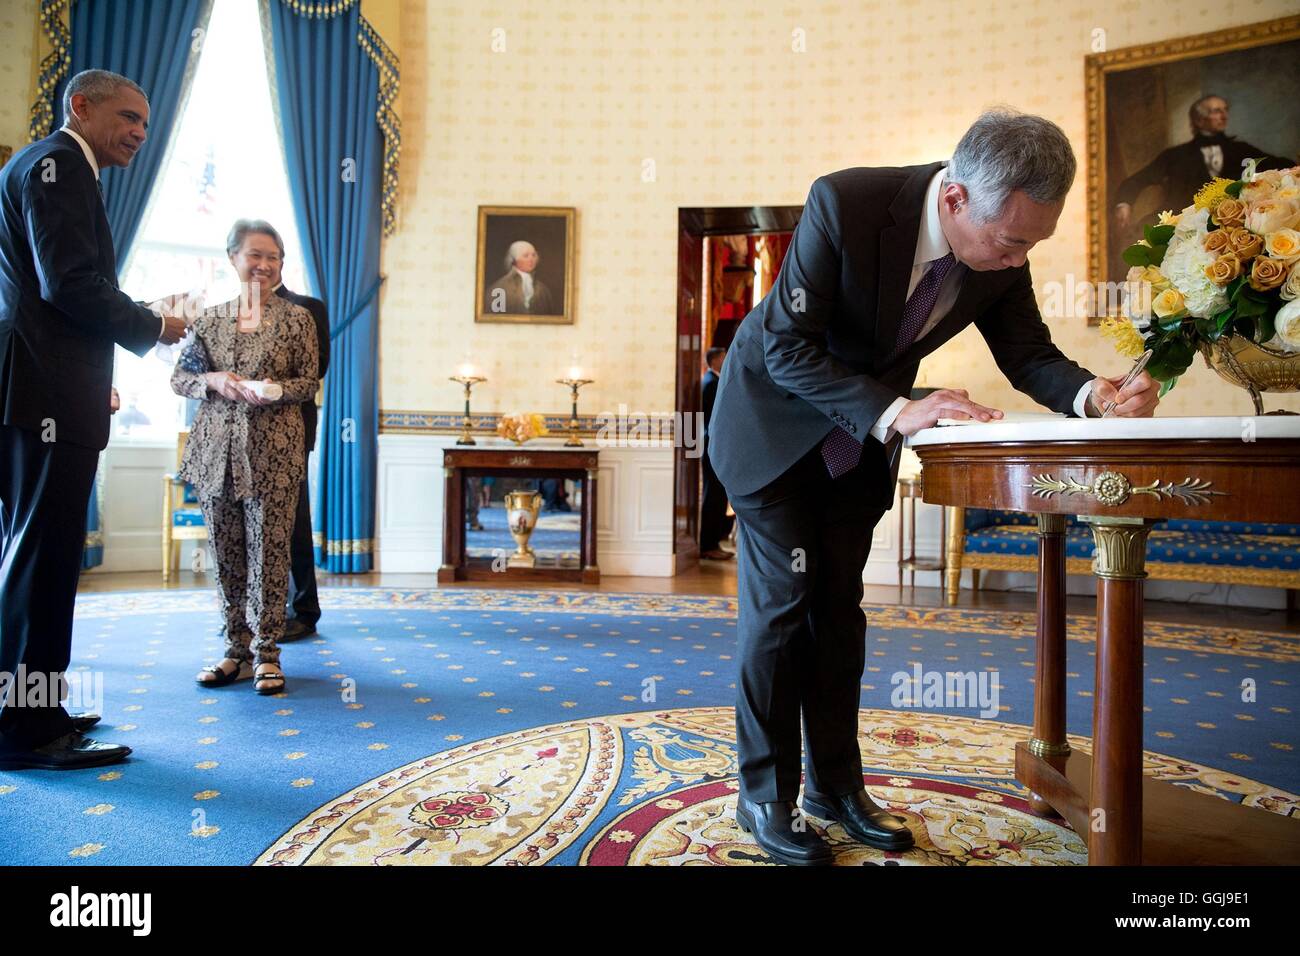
267,390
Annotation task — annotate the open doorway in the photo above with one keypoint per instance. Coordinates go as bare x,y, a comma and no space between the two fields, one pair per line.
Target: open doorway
727,259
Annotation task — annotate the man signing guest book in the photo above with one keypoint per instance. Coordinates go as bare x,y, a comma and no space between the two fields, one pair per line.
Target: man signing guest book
886,265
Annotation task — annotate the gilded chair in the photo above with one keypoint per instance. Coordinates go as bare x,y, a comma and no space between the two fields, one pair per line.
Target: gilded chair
182,517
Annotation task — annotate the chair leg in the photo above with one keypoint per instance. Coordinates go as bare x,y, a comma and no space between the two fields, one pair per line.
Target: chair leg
974,579
167,529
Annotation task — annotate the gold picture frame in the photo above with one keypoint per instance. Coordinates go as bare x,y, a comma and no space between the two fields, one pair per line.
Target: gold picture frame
544,292
1099,68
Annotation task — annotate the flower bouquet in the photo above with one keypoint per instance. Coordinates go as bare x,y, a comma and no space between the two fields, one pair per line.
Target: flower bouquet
1222,277
520,427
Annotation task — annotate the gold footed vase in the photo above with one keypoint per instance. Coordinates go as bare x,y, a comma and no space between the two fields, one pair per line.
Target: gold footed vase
1256,368
522,508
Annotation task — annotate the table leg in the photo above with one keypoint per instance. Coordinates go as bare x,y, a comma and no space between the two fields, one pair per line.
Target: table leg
1115,836
1049,740
954,542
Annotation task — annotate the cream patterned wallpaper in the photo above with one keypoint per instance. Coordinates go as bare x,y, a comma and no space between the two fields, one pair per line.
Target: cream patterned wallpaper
17,56
584,93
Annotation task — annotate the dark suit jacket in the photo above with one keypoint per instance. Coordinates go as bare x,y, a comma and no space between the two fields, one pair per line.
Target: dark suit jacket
811,356
709,393
60,307
1180,171
317,309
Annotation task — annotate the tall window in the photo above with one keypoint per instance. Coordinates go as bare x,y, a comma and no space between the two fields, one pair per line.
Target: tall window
226,163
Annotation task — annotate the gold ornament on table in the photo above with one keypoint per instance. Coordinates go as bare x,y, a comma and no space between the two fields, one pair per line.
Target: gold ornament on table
469,377
575,381
521,427
522,508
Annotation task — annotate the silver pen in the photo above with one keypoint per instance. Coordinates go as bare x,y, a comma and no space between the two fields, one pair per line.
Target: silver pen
1134,372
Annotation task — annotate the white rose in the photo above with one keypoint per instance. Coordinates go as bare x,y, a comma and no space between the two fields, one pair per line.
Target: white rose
1287,322
1184,265
1290,289
1272,215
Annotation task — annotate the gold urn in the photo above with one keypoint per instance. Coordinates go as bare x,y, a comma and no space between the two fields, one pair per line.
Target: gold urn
1256,368
522,508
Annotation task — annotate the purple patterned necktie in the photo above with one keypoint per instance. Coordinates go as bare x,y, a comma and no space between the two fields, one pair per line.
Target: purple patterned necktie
841,450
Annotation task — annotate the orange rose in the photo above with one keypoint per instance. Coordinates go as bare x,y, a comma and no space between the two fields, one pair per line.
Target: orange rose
1267,274
1229,212
1224,269
1244,243
1218,242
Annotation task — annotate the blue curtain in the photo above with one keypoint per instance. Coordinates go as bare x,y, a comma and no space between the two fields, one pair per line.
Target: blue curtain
152,43
327,87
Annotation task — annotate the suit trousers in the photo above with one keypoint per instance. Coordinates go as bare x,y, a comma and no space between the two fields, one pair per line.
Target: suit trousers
44,490
714,525
304,600
251,538
804,539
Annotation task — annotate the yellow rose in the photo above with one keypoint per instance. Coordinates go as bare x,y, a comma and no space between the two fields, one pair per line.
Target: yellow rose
1217,242
1224,269
1168,303
1245,243
1283,244
1230,212
1267,274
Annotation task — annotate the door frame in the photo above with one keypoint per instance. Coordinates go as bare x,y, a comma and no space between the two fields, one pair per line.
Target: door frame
694,224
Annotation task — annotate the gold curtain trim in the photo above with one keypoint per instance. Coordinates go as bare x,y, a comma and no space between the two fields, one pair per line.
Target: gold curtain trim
54,67
356,546
387,64
322,11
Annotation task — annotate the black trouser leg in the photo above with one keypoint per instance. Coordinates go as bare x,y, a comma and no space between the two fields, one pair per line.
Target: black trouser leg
713,505
44,490
304,601
804,540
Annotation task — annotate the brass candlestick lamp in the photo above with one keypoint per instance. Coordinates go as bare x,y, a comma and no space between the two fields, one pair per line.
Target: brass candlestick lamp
575,382
469,381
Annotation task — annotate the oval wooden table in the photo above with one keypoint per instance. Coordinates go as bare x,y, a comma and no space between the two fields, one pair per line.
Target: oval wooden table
1119,475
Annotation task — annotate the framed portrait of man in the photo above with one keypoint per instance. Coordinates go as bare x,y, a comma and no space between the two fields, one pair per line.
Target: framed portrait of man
525,264
1165,118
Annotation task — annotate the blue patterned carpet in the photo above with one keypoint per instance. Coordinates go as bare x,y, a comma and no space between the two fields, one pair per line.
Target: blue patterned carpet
531,727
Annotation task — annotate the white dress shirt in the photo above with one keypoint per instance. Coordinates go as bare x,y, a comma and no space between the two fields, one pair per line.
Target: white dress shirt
94,167
931,244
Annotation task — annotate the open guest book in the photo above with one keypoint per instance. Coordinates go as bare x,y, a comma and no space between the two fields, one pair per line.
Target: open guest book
1008,418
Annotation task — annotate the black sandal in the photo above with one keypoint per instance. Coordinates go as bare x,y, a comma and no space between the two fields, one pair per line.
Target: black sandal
259,679
224,678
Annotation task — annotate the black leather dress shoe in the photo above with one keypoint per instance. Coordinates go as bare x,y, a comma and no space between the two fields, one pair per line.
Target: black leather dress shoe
782,832
83,722
295,629
69,752
861,818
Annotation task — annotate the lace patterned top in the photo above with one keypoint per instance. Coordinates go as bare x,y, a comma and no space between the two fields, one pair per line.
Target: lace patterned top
261,446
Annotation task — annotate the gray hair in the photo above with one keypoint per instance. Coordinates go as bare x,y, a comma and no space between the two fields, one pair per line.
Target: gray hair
1005,151
96,86
517,247
1197,110
242,227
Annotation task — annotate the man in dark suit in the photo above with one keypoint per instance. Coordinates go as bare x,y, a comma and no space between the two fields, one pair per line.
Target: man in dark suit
714,525
1181,170
304,602
885,266
60,314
